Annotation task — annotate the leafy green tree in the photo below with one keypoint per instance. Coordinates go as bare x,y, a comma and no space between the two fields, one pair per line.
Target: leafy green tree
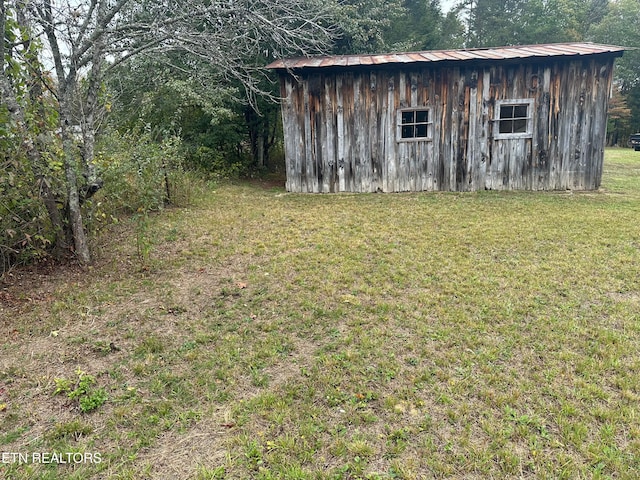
361,26
221,130
620,27
224,125
522,22
423,26
30,172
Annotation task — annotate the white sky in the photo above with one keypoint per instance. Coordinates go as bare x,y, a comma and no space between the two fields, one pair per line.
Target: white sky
447,4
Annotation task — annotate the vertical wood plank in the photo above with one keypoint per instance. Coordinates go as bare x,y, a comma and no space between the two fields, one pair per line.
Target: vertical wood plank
329,158
340,130
293,130
374,138
305,166
474,140
485,127
347,101
389,137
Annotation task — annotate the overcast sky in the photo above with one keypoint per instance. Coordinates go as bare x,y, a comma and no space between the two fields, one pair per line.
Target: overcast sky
447,4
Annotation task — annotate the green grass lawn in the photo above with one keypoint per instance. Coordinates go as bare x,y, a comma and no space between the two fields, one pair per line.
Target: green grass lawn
268,335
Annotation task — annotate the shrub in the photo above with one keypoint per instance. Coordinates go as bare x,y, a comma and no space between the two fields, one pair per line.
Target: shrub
25,230
140,176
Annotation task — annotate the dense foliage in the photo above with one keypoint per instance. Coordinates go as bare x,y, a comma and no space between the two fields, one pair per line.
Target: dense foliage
85,44
186,82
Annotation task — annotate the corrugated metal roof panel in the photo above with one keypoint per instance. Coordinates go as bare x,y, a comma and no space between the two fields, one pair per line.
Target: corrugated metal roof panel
379,59
416,57
482,54
315,62
326,62
461,55
430,57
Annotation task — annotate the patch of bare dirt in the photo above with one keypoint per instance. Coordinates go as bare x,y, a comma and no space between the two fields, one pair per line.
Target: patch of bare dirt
182,454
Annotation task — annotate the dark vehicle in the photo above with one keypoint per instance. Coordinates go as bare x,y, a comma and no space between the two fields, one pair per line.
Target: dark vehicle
634,141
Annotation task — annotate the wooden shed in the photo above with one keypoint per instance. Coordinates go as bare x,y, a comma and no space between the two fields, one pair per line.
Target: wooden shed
525,117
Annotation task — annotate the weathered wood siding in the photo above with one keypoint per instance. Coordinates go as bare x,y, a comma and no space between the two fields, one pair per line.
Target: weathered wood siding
340,128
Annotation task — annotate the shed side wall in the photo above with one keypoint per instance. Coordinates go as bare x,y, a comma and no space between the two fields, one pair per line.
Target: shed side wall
340,128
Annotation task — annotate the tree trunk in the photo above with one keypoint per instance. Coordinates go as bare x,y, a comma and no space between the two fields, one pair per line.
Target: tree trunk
51,204
73,200
88,117
88,120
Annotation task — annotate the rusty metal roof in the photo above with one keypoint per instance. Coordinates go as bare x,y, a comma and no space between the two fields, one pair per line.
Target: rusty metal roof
474,54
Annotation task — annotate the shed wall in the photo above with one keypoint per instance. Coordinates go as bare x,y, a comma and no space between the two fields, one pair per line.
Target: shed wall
340,128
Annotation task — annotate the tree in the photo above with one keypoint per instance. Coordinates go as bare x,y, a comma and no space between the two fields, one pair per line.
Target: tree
87,41
422,26
29,120
522,22
362,26
618,119
620,27
222,130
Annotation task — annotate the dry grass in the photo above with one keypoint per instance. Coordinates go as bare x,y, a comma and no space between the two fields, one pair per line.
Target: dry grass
268,335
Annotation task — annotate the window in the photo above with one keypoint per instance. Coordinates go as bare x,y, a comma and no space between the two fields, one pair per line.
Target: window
513,119
414,124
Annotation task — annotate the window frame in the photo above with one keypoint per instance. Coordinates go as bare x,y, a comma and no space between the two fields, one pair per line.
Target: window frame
428,124
528,133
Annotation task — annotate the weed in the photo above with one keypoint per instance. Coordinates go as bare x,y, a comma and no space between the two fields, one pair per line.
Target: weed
204,473
82,389
70,430
144,244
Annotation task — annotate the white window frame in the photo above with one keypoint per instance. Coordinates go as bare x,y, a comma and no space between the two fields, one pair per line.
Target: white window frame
428,124
529,103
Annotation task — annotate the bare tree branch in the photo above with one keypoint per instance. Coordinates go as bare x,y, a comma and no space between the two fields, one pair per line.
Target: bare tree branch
234,38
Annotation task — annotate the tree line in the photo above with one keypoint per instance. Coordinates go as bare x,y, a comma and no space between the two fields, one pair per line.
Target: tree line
107,106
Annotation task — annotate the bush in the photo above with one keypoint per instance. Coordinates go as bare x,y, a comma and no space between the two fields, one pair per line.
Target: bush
25,230
133,168
218,163
140,176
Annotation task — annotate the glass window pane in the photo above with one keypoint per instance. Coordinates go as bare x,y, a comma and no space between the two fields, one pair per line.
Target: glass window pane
520,111
422,116
506,126
520,126
506,111
407,131
407,117
421,131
